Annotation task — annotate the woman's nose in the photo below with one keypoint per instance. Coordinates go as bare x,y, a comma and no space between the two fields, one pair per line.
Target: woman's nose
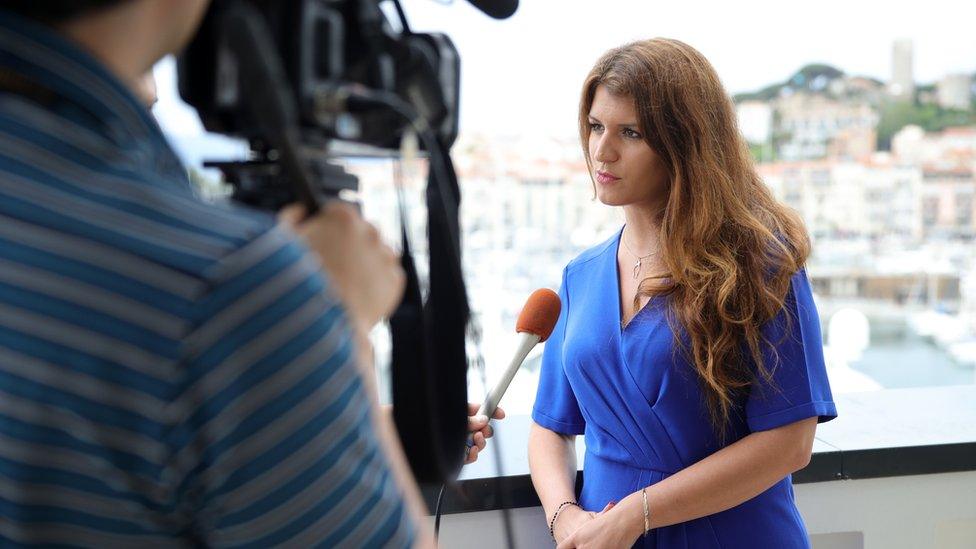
604,151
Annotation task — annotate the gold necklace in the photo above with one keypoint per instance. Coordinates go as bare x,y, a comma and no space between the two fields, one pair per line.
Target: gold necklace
640,259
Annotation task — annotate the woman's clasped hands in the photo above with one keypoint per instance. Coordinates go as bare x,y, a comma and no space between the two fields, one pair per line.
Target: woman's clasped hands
611,528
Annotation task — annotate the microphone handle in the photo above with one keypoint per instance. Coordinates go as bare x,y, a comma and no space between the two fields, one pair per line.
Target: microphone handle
526,342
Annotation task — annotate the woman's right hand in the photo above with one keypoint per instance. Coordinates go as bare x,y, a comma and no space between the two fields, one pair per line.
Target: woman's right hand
569,520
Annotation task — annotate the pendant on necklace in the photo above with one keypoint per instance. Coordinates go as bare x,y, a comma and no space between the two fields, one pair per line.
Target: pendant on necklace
637,267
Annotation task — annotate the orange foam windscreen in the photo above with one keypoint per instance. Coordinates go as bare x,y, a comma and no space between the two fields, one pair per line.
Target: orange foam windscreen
540,313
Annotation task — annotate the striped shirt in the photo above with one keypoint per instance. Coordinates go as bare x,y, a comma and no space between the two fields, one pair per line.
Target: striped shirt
172,372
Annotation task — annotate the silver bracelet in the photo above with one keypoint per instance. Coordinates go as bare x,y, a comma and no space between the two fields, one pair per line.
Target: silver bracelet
647,516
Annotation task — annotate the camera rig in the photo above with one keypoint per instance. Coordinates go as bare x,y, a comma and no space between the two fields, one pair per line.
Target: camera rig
292,76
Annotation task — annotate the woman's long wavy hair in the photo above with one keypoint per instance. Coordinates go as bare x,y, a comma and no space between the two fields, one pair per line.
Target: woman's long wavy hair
728,246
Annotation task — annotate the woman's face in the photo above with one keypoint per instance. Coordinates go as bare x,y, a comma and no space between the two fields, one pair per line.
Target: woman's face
625,168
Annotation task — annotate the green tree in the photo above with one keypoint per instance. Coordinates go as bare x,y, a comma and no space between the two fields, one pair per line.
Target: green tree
896,115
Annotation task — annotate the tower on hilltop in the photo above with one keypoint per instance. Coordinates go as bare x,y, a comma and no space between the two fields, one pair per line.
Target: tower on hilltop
902,85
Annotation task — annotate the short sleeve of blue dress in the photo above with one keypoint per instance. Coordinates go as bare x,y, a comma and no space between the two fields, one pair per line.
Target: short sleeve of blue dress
798,388
555,406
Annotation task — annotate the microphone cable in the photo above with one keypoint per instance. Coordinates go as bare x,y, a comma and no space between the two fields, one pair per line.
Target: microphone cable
474,332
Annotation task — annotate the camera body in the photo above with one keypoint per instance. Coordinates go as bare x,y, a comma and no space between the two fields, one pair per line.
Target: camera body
328,48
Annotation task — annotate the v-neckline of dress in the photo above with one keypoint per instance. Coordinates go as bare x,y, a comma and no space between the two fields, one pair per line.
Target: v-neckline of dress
617,289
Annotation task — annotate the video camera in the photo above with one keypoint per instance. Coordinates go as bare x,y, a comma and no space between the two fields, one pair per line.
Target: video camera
293,77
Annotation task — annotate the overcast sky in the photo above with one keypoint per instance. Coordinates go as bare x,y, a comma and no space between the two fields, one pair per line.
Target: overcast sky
523,74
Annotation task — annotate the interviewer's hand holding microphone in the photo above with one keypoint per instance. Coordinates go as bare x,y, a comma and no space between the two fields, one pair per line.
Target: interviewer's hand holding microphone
534,325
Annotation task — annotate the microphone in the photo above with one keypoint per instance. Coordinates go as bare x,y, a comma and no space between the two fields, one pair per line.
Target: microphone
535,324
496,9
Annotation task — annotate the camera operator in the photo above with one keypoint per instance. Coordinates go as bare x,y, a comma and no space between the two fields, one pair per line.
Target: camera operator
173,372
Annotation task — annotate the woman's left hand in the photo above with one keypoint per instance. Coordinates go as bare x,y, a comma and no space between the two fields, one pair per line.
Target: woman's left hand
607,530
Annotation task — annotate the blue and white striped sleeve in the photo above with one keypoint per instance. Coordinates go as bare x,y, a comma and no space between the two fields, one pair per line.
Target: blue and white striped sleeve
277,445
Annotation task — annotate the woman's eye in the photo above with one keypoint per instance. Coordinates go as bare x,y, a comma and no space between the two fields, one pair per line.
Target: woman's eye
631,134
595,127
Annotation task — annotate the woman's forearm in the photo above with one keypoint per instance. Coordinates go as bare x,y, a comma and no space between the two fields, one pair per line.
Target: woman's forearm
729,477
552,464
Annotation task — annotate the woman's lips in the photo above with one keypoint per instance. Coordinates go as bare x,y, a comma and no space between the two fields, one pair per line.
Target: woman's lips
604,177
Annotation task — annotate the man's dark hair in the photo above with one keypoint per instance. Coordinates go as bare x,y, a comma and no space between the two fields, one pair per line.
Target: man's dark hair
56,11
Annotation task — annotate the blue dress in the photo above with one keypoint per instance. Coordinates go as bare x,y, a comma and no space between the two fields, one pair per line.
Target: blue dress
643,414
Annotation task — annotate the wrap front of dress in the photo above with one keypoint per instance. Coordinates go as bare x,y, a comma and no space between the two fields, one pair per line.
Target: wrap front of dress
642,412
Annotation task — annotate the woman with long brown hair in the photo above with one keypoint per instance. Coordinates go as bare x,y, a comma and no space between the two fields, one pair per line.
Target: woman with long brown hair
688,350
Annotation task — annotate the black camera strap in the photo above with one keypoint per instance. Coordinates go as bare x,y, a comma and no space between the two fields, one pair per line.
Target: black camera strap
429,364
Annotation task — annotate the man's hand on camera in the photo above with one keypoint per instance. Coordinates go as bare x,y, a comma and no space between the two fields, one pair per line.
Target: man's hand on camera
365,272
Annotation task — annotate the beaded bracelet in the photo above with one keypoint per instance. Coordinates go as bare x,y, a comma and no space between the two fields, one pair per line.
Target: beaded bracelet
552,523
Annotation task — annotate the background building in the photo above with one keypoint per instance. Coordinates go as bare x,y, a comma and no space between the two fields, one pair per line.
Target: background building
953,91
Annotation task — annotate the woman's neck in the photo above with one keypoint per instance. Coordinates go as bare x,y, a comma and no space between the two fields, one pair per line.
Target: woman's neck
643,229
